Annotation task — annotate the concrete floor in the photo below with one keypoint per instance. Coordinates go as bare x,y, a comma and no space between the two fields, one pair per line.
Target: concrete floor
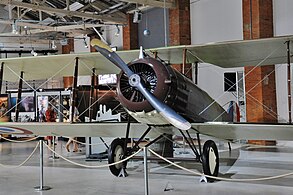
64,178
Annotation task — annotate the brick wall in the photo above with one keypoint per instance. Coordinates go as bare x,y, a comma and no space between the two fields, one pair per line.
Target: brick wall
130,34
179,23
258,23
179,28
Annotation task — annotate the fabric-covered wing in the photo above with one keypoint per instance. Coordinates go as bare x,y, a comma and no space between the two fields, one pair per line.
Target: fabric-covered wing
231,54
44,67
225,54
77,129
230,131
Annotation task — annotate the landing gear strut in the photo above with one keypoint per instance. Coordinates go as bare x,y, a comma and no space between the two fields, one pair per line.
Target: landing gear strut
208,155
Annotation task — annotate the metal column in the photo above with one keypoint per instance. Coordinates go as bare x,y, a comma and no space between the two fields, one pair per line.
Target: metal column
42,187
146,177
289,81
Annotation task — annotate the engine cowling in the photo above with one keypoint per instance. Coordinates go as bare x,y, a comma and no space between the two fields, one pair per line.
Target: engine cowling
154,76
169,86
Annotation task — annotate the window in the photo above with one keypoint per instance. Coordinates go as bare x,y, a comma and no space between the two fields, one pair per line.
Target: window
230,81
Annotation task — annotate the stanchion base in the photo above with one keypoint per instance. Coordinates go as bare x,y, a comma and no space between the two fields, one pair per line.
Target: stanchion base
43,188
53,157
203,179
123,173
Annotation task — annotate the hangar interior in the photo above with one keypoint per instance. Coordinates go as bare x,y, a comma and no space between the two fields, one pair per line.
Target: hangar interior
34,28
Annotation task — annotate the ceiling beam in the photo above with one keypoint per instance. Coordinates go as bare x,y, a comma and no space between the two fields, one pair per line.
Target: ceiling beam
66,28
36,7
154,3
102,6
28,24
79,28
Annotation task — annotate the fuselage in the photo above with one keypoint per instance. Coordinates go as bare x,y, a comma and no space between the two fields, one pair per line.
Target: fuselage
172,88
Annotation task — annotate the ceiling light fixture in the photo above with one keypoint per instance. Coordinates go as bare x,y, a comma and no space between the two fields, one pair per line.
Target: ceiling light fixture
137,16
33,52
14,27
53,45
117,33
85,43
146,31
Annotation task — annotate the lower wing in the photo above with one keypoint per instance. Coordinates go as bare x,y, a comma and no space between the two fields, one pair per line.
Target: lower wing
234,131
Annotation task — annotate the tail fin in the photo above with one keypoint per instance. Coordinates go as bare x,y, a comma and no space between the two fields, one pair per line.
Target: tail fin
234,112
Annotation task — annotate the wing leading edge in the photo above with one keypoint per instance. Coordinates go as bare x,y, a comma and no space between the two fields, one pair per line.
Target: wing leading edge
226,131
229,131
76,129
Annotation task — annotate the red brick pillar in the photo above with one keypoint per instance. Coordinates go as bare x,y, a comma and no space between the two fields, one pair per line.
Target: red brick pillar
179,28
258,23
130,34
179,23
66,49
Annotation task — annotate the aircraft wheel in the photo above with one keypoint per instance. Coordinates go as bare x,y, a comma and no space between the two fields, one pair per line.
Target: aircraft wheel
115,154
210,159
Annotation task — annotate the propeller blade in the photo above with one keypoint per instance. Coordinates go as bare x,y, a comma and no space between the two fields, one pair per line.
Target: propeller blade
134,80
168,113
106,51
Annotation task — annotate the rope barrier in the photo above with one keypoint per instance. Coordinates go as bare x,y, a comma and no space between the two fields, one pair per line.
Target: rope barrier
23,141
180,145
159,156
83,143
220,178
21,164
93,166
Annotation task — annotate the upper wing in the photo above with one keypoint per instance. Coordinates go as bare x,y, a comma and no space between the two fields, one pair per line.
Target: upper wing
231,54
229,131
225,54
44,67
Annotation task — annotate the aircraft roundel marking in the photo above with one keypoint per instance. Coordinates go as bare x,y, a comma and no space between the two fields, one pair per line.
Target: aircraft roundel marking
13,130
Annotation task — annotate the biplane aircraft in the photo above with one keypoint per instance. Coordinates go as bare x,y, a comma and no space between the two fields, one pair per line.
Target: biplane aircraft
156,95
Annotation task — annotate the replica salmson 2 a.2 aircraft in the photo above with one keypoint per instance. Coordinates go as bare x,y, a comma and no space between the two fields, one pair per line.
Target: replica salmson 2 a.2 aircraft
156,95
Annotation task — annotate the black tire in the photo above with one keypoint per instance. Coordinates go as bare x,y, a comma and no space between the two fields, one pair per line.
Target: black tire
115,154
210,160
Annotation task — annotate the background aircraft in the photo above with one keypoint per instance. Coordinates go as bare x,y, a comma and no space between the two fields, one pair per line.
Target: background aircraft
156,95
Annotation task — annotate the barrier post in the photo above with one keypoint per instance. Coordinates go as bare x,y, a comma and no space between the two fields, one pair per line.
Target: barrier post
145,161
54,148
42,187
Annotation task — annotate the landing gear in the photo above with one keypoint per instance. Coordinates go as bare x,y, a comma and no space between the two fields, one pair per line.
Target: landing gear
116,153
210,160
208,156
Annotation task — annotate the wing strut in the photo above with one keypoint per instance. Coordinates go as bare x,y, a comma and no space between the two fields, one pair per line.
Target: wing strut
91,108
92,93
74,90
18,96
1,75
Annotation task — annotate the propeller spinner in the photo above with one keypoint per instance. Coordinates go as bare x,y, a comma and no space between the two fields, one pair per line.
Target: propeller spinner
134,80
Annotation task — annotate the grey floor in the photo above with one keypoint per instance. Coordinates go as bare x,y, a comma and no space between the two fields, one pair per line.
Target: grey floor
65,178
